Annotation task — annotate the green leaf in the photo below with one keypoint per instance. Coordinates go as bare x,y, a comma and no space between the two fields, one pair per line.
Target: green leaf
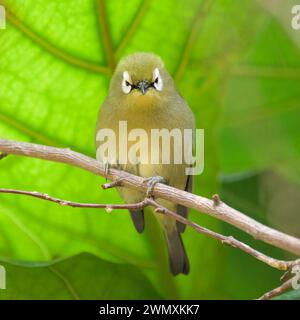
56,58
79,277
261,109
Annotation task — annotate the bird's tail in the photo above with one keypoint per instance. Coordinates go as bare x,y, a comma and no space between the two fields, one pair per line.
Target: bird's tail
179,262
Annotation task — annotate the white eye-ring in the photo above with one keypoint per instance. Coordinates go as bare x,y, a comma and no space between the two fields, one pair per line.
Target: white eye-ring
157,80
126,82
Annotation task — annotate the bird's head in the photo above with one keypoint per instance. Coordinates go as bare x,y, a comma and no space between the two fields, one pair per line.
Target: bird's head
141,78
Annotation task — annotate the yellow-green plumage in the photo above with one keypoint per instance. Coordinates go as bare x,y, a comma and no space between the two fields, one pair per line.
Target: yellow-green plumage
152,110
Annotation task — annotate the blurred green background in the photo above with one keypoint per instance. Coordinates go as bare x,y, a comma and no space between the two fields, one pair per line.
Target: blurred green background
237,63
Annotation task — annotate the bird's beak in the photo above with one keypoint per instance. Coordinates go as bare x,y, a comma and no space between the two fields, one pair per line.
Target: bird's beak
143,86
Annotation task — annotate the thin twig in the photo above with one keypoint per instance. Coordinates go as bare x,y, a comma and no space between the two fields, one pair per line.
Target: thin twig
44,196
229,240
113,184
278,264
277,291
221,211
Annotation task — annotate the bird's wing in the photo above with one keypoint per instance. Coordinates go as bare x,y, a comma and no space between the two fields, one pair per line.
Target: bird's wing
138,219
131,196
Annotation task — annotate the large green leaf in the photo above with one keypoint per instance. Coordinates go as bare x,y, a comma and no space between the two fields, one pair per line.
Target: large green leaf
260,123
56,58
79,277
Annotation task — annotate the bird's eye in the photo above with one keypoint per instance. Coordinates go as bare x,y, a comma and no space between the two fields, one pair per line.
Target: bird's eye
157,80
126,85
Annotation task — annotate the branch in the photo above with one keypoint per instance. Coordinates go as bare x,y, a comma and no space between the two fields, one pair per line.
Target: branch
277,291
217,209
107,207
278,264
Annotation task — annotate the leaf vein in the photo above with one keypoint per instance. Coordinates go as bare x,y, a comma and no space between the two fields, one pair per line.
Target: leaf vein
50,48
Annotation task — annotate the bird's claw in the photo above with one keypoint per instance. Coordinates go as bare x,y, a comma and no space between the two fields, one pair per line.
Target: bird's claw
151,182
107,166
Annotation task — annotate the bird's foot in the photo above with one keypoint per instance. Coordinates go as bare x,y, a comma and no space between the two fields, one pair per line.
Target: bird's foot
151,182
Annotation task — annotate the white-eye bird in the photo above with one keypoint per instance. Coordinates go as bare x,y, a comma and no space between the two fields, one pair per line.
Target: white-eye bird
143,93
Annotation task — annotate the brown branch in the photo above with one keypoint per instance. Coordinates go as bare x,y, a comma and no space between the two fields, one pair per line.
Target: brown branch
218,210
278,264
44,196
277,291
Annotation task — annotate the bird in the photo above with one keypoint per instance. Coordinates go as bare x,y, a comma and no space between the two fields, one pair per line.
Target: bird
143,93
